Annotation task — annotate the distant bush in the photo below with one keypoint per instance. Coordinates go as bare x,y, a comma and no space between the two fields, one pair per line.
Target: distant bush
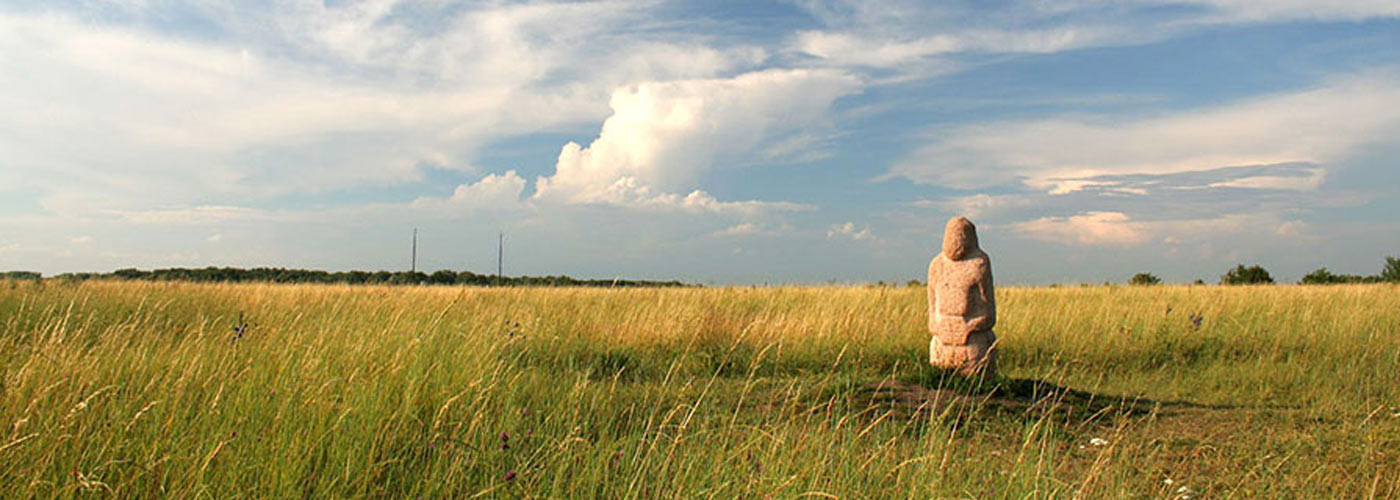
1144,279
1252,275
1320,277
20,275
1324,277
1391,271
443,277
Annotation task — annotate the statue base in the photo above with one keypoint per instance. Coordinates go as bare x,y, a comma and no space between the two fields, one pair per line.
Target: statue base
977,357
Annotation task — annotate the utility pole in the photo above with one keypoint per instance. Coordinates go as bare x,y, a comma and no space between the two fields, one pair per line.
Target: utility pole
500,255
413,266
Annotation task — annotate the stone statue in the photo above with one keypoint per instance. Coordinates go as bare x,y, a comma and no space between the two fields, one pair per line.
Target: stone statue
962,306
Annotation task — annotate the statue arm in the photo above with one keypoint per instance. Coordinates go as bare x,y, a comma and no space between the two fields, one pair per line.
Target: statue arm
984,321
956,334
987,315
932,297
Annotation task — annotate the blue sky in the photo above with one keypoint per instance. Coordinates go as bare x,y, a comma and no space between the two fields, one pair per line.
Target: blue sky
714,142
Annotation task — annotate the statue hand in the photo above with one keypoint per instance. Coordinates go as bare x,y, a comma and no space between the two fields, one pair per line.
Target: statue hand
955,337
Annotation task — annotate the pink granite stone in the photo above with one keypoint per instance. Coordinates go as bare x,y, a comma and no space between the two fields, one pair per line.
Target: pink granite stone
962,303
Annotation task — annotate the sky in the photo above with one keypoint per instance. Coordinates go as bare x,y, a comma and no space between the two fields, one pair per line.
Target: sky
717,142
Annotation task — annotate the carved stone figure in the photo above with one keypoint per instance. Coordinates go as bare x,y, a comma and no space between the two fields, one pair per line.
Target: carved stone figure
962,304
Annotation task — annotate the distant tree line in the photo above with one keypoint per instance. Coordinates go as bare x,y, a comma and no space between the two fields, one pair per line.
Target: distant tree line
1257,275
1389,273
20,275
282,275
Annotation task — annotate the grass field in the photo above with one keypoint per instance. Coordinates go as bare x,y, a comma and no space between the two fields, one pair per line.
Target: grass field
137,390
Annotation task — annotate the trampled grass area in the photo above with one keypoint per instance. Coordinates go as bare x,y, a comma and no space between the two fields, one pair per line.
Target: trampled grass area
136,390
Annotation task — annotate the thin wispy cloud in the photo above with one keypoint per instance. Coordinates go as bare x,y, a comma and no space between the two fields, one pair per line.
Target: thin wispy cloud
1063,154
850,231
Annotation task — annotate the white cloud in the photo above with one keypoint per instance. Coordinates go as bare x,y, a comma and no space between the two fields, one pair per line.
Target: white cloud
978,205
911,36
743,229
1136,191
79,240
1093,228
852,49
665,135
881,51
701,202
1062,155
1067,186
1213,12
493,192
305,98
848,231
1286,183
1287,10
142,118
199,214
1117,229
509,44
1293,229
752,229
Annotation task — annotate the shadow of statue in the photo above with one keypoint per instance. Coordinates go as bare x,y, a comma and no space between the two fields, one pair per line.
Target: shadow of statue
959,398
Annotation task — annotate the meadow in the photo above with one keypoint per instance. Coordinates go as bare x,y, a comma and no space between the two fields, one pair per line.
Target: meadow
144,390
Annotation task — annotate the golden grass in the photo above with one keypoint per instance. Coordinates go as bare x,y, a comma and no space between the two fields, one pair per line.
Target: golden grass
137,390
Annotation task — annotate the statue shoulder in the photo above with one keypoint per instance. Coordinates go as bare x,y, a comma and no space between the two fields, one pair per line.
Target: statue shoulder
984,264
935,269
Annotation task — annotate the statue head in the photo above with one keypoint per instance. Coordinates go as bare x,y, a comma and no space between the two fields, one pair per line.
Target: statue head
959,238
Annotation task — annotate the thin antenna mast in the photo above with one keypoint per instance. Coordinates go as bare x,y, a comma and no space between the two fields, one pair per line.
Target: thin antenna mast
500,255
413,266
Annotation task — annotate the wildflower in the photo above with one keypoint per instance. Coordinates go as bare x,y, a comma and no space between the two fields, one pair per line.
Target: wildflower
510,476
1183,493
239,328
1098,442
1168,481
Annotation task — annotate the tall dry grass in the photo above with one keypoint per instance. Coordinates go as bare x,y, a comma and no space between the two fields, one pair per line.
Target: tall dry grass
137,390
